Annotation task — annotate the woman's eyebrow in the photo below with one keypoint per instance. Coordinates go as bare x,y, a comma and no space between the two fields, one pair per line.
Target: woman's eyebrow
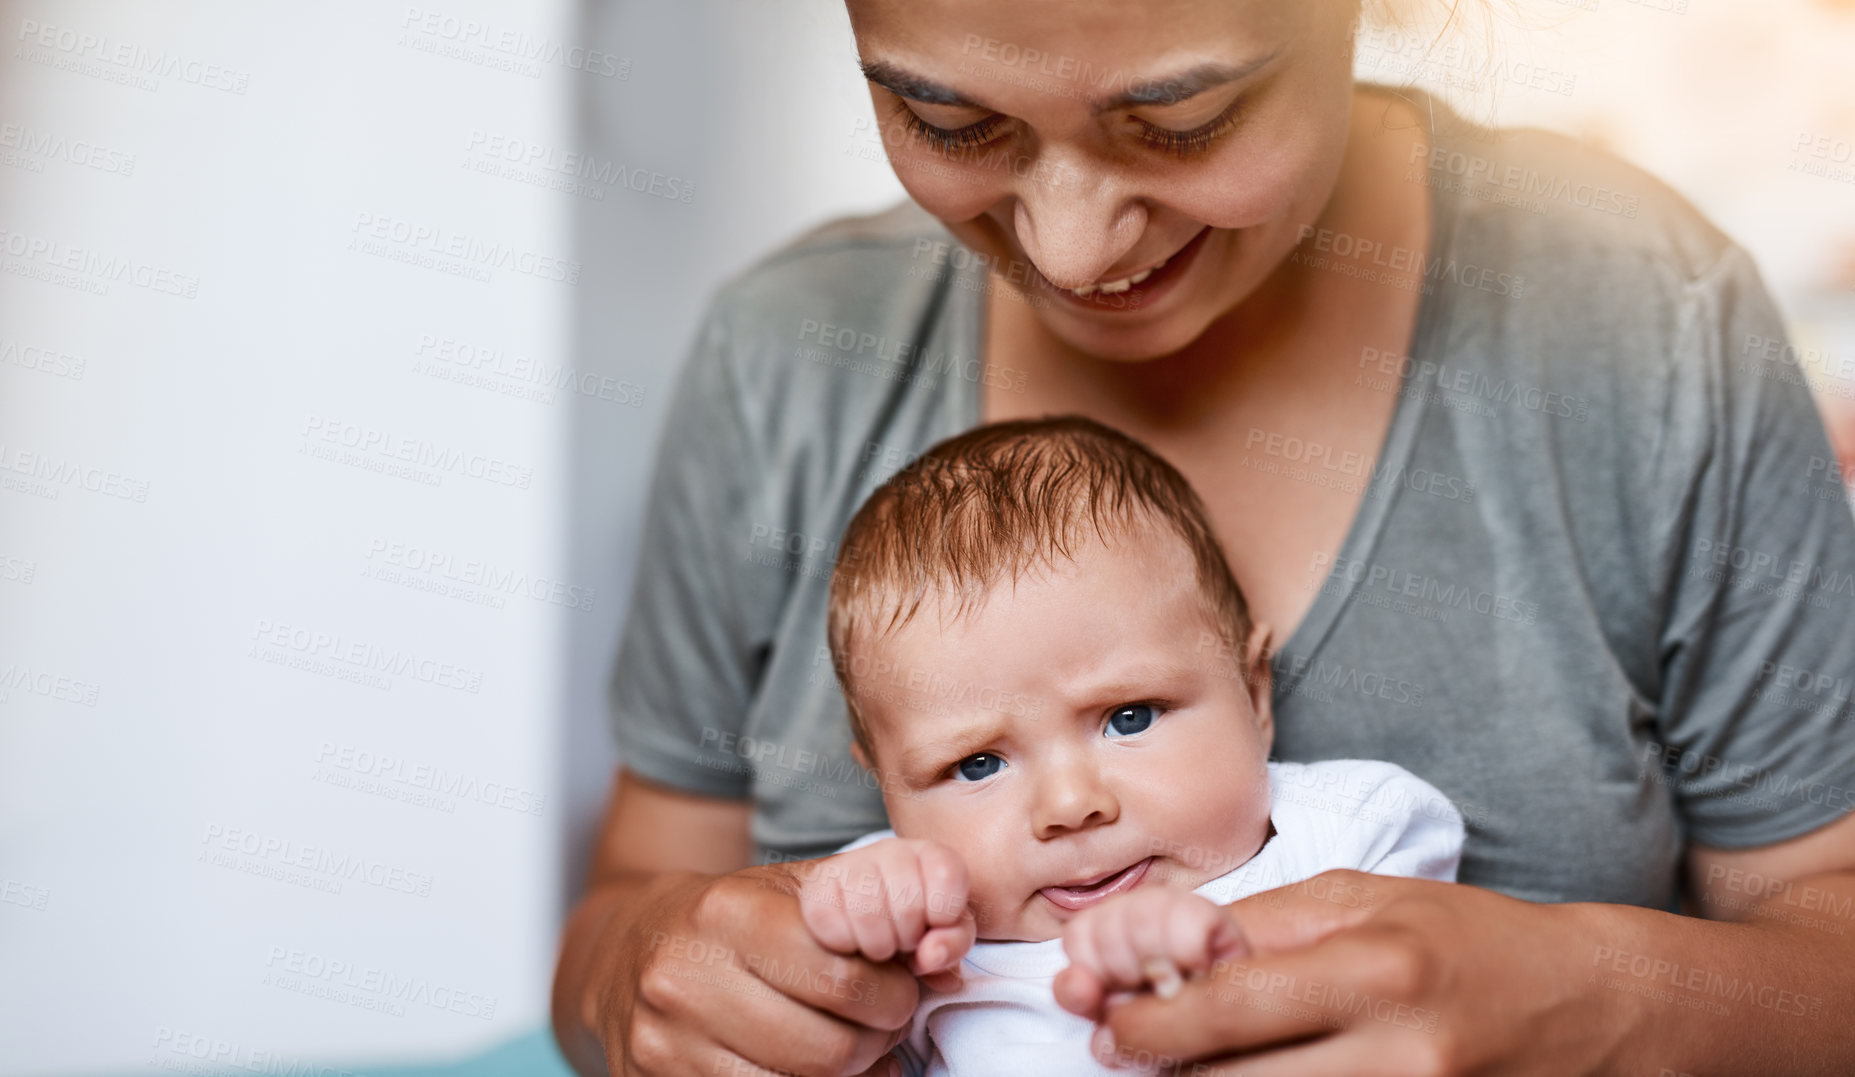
1168,90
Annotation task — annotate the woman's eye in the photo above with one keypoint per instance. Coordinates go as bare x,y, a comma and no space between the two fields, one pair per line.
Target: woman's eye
979,767
942,139
1129,720
1188,144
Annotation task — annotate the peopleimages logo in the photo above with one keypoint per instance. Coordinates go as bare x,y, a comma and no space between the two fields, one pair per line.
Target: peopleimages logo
423,561
75,151
325,437
519,375
566,168
426,777
54,475
1360,252
424,245
1473,167
518,52
89,269
1439,593
271,854
131,61
367,986
365,661
19,677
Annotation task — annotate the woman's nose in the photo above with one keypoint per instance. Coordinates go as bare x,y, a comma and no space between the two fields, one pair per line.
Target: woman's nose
1072,797
1075,221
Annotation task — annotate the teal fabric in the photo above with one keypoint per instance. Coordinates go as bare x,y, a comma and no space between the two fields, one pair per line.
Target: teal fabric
532,1054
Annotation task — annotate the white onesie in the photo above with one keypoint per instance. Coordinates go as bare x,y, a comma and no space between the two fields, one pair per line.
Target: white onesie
1343,813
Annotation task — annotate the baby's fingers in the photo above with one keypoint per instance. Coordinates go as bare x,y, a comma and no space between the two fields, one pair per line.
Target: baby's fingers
1079,990
1135,938
1196,935
821,906
937,963
945,884
1191,936
1201,934
1163,975
942,947
879,901
1153,938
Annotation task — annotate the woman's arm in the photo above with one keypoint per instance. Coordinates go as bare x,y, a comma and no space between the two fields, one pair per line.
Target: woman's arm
1429,978
1796,903
648,831
682,959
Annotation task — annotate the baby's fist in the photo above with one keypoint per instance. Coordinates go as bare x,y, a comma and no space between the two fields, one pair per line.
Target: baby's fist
1152,936
894,896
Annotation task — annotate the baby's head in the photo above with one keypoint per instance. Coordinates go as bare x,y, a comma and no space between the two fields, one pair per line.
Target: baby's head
1048,662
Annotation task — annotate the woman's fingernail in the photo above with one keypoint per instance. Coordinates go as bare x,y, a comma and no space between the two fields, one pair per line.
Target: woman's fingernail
1164,976
894,1068
1101,1045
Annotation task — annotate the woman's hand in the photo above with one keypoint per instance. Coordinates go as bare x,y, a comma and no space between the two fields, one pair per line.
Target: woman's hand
719,975
1353,974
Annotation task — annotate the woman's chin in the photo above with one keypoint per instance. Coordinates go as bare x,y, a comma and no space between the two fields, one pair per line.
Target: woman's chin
1125,343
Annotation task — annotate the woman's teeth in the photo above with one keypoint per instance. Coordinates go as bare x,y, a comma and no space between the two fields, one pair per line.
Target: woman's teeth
1115,286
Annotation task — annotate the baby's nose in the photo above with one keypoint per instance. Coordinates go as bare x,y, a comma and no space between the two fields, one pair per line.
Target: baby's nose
1071,799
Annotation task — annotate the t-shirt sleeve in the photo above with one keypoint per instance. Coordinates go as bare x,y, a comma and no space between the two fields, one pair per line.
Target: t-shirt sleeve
1409,827
1757,542
687,666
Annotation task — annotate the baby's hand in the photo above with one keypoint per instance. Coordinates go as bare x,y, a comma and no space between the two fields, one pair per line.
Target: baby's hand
894,896
1154,936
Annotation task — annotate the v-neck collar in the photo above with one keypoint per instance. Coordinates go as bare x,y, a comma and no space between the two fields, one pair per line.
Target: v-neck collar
1295,655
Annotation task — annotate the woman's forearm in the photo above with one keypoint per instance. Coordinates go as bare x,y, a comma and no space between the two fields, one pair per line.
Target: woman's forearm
1770,993
591,956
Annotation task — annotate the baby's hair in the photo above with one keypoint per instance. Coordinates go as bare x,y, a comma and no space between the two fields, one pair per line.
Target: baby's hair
997,500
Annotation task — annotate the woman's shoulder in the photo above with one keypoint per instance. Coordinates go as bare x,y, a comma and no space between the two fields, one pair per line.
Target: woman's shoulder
898,224
840,318
1574,214
1567,267
852,270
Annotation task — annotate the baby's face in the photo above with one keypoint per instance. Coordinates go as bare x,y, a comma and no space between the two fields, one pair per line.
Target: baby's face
1076,737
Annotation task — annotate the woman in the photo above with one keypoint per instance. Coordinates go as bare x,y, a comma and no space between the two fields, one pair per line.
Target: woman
1483,426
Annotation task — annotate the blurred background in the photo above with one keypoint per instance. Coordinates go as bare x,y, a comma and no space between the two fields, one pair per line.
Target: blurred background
335,340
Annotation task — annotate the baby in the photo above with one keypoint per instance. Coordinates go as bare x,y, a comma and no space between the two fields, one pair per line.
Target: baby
1048,662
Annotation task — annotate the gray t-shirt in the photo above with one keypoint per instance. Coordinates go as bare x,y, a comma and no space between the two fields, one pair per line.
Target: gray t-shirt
1599,590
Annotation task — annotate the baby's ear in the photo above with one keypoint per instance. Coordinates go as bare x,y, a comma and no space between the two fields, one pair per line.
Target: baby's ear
857,753
1258,676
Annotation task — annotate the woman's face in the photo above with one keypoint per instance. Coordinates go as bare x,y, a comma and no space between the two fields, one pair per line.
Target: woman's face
1077,143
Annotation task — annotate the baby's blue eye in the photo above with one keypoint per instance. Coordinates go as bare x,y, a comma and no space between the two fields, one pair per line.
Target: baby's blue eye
1128,720
978,767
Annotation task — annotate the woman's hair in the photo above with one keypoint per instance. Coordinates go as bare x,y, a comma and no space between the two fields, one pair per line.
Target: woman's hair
997,500
1456,49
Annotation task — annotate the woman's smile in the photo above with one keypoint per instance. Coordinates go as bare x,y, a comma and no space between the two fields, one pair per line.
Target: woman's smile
1138,291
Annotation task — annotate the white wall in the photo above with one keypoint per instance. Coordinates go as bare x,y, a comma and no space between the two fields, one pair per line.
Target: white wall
199,580
191,676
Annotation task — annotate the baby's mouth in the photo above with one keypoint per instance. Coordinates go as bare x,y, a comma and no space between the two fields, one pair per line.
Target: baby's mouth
1081,894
